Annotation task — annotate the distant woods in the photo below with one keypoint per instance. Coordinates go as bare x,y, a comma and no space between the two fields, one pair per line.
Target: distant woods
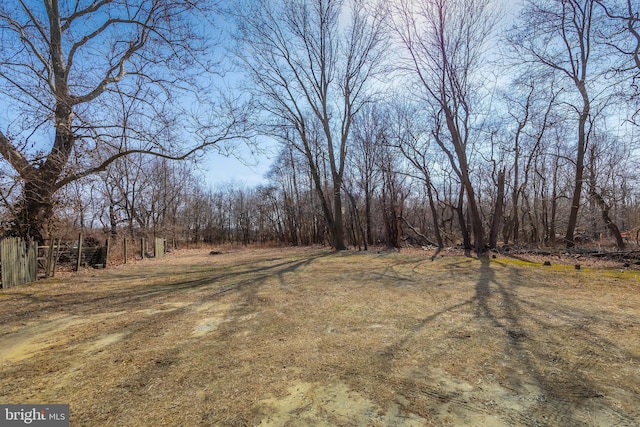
430,123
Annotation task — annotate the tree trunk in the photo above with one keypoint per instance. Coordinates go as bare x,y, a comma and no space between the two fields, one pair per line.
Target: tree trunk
338,223
579,177
466,241
459,147
554,203
357,223
613,228
367,215
599,200
333,219
387,216
35,211
497,212
434,214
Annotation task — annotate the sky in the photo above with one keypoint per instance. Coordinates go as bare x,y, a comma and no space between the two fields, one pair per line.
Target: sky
219,169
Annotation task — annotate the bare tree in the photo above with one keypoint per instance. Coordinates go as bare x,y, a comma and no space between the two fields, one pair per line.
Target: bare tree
560,36
67,68
366,146
411,137
311,62
608,164
393,194
531,111
444,42
626,31
622,35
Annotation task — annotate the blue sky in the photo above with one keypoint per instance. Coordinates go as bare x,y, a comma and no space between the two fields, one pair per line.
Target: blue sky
219,169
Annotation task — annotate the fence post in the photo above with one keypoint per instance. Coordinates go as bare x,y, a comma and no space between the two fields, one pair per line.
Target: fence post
50,258
158,247
8,261
32,262
142,248
79,261
124,242
55,259
106,252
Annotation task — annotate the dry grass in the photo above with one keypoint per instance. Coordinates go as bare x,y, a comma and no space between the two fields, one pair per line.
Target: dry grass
309,337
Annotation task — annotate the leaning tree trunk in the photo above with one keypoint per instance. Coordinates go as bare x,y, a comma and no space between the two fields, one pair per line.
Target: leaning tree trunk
577,193
604,208
358,222
465,178
613,228
367,215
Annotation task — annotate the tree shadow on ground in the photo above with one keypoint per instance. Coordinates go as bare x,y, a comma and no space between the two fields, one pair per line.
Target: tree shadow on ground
565,389
129,297
243,284
521,334
558,388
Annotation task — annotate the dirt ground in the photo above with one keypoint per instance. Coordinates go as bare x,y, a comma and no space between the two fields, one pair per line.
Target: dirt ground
307,337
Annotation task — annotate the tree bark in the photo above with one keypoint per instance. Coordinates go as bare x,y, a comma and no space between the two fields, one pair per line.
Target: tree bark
476,220
35,212
613,228
579,174
434,214
497,212
466,241
338,223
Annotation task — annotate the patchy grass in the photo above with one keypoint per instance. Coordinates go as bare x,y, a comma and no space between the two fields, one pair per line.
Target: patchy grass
306,337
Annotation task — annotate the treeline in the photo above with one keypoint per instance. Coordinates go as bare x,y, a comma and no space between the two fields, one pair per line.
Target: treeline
397,187
433,122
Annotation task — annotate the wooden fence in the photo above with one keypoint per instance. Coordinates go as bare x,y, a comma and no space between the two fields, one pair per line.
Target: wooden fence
18,261
158,248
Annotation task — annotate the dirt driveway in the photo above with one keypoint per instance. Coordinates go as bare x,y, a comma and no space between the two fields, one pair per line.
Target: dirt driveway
306,337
